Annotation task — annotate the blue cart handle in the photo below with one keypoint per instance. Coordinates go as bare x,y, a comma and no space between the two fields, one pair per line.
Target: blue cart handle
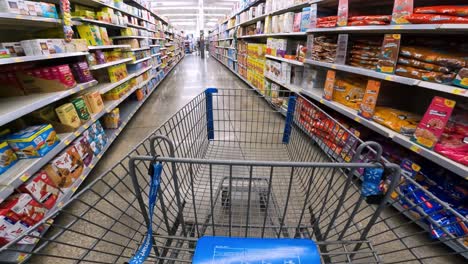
145,248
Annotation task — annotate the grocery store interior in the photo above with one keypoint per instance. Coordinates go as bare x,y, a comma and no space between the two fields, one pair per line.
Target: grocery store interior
233,131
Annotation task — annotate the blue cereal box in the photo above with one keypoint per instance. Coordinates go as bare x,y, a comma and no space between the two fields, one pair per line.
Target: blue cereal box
305,21
33,142
7,157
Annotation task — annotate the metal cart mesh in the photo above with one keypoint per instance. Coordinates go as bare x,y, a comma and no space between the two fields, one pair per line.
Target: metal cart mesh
234,166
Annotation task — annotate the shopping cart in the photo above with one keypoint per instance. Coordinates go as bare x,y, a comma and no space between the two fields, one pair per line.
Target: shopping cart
230,166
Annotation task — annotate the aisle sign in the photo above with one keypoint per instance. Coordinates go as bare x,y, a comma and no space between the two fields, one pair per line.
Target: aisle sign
402,8
342,20
342,48
329,84
369,101
310,46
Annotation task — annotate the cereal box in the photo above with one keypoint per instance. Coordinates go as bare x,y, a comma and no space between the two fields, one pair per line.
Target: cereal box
305,19
7,157
14,48
433,123
34,141
81,109
91,33
65,168
42,188
94,102
68,116
82,146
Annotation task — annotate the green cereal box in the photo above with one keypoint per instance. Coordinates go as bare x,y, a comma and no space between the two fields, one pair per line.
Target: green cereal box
81,109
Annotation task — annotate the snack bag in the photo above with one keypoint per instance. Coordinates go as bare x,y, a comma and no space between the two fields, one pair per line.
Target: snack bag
397,120
432,125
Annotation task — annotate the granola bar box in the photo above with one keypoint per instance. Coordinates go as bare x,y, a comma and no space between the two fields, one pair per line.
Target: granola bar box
33,142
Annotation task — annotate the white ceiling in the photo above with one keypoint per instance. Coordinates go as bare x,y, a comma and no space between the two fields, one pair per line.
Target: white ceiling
184,14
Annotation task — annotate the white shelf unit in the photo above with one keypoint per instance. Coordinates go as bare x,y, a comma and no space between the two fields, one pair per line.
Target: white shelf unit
15,107
392,78
109,47
295,62
12,60
290,34
79,21
127,112
139,61
108,64
12,108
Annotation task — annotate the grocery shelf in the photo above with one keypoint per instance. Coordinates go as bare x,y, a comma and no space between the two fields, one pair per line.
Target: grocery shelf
459,169
392,78
137,26
15,21
317,95
108,47
128,110
12,108
156,54
157,66
291,87
253,20
129,37
140,72
139,61
112,63
163,57
152,46
295,62
416,28
449,164
139,49
25,168
223,39
79,21
292,34
41,57
105,87
273,13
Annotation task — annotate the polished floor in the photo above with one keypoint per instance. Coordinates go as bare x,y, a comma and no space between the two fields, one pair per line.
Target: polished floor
190,78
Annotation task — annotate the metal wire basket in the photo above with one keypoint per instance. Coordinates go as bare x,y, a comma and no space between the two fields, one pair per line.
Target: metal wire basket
234,166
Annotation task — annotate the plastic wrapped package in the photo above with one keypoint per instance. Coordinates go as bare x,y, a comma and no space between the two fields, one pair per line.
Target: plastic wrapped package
437,57
454,142
400,121
435,19
424,75
383,18
366,23
423,65
452,10
349,92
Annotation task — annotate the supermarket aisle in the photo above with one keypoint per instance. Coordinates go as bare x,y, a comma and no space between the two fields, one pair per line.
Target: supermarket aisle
186,81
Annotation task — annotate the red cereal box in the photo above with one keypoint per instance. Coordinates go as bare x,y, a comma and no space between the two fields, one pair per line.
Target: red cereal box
42,188
432,125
